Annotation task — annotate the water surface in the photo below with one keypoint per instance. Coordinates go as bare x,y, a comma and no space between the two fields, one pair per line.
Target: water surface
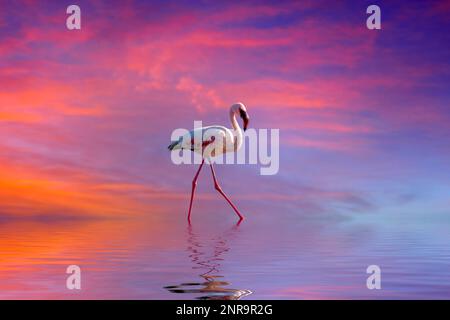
215,258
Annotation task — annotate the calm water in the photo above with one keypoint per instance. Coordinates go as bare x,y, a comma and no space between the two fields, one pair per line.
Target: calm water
286,257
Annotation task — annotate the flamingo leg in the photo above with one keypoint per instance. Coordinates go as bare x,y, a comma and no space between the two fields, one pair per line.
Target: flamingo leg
218,188
194,185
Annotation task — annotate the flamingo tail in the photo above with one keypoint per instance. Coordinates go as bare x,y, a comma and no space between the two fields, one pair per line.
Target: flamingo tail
175,145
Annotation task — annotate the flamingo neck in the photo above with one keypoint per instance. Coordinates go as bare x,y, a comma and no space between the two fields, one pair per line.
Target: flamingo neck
237,130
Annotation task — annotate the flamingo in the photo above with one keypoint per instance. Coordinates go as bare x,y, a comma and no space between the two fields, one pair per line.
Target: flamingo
215,140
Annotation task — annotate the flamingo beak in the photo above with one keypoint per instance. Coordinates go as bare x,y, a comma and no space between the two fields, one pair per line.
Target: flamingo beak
246,120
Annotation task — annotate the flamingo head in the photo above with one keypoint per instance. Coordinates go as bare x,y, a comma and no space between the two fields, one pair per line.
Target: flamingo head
240,107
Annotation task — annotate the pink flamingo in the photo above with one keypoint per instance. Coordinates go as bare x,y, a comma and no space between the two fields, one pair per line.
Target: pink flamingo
215,140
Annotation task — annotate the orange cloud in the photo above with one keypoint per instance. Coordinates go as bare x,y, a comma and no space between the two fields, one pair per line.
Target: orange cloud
28,191
18,117
44,100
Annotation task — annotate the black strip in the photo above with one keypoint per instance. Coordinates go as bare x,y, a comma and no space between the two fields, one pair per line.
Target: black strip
262,309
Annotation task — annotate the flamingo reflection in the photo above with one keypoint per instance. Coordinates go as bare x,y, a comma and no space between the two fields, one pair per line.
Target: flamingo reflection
213,287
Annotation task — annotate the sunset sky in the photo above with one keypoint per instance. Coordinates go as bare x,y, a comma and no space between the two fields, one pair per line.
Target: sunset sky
86,115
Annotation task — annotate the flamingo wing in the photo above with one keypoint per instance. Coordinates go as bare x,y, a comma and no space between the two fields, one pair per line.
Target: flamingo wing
198,139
